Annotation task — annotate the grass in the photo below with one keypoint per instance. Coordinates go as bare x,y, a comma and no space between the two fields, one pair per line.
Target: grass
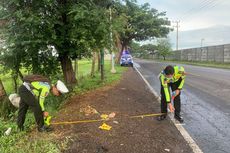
25,142
84,67
7,80
20,142
89,82
197,63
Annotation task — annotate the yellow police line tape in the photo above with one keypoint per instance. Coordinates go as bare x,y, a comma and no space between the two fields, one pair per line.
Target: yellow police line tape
100,120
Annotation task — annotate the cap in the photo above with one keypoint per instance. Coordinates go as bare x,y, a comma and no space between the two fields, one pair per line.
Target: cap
61,87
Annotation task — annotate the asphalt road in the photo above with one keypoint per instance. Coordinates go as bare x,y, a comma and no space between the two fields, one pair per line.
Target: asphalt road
205,103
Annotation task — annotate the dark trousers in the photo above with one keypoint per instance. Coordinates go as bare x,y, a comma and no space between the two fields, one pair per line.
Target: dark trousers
29,100
177,102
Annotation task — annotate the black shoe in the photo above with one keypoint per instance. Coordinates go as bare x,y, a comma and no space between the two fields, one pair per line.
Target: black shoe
179,118
161,118
45,129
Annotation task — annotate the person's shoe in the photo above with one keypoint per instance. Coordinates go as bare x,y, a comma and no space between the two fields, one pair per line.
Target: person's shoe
179,118
161,118
45,129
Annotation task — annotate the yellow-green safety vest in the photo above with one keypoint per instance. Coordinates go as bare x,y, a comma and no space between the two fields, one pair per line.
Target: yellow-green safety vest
179,72
41,90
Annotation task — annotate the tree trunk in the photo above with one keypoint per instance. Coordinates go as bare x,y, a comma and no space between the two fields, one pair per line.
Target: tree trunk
124,47
99,62
2,90
93,65
20,74
6,108
62,33
164,57
15,77
118,46
67,69
76,69
102,64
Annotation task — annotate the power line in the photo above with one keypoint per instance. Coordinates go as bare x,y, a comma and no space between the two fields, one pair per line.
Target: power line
204,7
207,5
204,2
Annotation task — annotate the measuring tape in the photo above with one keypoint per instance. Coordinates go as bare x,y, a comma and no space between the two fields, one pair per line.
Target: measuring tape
102,120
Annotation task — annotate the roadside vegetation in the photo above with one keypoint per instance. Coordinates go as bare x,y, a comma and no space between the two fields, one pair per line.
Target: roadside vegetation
49,37
18,141
162,51
54,38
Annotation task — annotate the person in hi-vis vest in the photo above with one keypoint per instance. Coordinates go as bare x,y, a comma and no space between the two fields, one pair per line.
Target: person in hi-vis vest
33,95
171,77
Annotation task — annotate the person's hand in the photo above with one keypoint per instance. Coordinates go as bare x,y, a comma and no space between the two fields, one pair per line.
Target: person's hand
173,97
45,114
175,93
171,108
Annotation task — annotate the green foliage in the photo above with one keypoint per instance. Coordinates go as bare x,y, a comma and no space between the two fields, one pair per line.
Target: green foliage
6,108
27,144
164,47
136,47
88,83
40,34
91,26
28,33
144,50
142,22
84,67
21,142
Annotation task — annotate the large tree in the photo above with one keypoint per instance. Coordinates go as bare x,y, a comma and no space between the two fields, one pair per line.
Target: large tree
143,50
164,47
143,23
42,34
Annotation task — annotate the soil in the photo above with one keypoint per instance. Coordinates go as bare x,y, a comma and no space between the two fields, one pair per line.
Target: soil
126,98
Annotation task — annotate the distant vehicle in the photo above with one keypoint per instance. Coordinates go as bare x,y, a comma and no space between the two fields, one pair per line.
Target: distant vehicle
126,60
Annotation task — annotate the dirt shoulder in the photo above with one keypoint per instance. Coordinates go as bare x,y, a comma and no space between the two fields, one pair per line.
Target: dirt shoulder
137,135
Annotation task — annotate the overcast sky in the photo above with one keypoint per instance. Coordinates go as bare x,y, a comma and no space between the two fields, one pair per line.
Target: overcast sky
194,14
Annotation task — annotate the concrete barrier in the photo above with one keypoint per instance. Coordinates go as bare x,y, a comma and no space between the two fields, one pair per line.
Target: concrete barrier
219,54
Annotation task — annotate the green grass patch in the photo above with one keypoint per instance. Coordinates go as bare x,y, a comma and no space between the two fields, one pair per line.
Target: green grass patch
84,67
7,80
24,142
88,82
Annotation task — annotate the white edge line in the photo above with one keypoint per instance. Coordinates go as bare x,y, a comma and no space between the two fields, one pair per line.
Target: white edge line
184,133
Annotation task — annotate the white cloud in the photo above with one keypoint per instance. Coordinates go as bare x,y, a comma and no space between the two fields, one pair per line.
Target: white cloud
194,14
211,16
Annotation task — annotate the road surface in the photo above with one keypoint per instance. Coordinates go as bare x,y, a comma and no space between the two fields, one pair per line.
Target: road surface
205,103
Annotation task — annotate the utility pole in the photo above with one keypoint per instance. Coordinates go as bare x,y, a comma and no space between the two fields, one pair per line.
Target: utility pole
201,49
201,42
111,41
177,29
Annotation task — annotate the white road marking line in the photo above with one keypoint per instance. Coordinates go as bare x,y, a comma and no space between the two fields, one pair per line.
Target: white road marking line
179,124
184,133
136,65
197,75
